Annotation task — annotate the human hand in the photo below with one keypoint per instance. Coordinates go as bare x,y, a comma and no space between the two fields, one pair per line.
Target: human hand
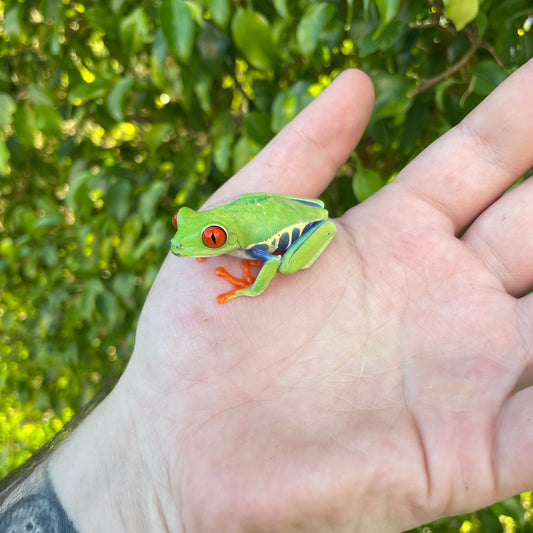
382,388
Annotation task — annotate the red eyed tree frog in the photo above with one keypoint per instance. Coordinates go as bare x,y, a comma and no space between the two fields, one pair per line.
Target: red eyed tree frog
282,233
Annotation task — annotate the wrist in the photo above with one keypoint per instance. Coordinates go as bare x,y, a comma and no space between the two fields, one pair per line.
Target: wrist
101,477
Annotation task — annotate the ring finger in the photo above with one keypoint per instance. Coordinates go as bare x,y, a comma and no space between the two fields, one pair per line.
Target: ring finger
502,238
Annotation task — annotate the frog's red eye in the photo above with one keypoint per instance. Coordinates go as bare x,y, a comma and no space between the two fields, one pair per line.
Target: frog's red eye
214,236
175,220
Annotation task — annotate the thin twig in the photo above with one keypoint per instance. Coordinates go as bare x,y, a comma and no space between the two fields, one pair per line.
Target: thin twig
426,84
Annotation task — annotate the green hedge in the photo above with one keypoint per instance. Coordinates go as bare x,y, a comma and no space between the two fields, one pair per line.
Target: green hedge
114,113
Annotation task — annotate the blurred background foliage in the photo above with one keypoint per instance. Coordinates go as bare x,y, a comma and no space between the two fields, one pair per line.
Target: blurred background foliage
113,113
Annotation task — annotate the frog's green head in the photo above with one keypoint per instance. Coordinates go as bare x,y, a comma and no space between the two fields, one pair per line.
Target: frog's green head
203,234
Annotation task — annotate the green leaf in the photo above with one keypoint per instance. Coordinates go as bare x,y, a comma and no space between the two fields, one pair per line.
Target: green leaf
149,199
11,22
315,17
135,30
257,127
116,5
102,18
178,27
47,120
222,152
157,134
78,178
349,13
107,307
244,150
24,121
54,44
116,98
7,109
202,90
391,96
157,60
461,12
222,134
253,37
196,12
118,199
388,9
91,289
123,284
48,221
88,91
488,75
220,11
289,103
281,7
366,182
39,96
382,39
4,157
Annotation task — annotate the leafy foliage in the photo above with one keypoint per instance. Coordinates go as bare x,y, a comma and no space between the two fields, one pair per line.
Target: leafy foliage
114,113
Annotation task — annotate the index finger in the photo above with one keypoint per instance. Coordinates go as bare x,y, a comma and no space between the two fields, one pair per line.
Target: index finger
304,157
474,163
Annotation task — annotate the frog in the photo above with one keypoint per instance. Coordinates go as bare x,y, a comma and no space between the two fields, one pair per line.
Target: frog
275,232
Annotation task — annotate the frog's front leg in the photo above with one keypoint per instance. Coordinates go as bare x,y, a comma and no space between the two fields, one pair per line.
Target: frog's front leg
268,271
238,283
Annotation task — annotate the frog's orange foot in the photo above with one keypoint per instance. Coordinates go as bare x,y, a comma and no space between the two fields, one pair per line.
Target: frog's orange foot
238,283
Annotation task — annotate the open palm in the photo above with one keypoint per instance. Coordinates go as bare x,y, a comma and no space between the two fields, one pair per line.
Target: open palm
385,386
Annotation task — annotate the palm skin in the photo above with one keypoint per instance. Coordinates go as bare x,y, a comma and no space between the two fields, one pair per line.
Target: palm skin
382,388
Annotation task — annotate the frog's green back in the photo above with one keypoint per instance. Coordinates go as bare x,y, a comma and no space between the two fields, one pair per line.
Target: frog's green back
258,196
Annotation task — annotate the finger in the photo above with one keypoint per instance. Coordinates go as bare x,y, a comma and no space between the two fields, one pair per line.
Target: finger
304,157
513,434
513,443
501,239
475,162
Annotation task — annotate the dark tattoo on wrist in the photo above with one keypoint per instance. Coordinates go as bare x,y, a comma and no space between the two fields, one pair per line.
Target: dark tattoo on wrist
38,512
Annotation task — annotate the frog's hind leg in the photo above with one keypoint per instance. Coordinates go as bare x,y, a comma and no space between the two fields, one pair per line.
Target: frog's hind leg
304,251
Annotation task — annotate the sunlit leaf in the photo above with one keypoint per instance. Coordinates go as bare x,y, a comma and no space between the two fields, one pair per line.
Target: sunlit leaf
4,157
116,98
118,199
311,24
288,103
461,12
102,18
220,11
11,22
282,8
243,150
24,123
388,9
253,37
7,109
222,132
135,30
155,136
47,119
178,27
149,199
366,182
